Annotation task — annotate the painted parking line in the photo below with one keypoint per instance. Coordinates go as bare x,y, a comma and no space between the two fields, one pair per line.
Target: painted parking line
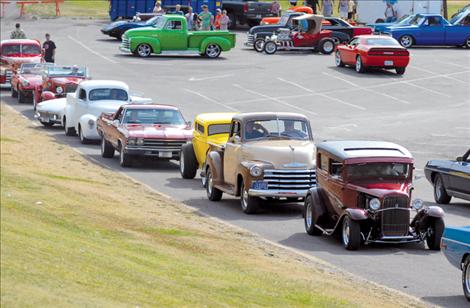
210,99
91,50
274,99
447,76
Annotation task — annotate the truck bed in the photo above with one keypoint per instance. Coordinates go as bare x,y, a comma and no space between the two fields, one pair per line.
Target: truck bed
195,38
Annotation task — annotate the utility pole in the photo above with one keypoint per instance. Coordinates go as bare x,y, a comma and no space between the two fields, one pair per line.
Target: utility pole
444,8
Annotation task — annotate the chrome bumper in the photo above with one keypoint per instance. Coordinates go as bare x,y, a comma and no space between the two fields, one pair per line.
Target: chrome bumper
277,193
124,49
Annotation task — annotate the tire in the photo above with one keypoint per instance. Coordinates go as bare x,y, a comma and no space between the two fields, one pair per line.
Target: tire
213,51
326,46
336,40
213,194
259,44
124,158
107,149
143,50
467,42
351,234
233,21
406,41
359,66
47,124
69,131
308,218
400,70
270,47
22,98
466,278
436,229
440,193
14,92
188,162
248,204
83,139
338,61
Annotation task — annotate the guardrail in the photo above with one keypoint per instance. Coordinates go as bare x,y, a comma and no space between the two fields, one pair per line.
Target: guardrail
22,5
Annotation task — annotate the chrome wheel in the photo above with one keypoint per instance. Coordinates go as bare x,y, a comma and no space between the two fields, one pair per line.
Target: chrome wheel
270,48
467,43
406,41
259,45
213,51
346,232
358,64
439,188
182,162
328,47
466,282
338,61
244,199
210,184
308,215
144,50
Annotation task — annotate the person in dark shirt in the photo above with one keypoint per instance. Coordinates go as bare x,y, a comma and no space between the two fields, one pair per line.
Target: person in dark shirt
252,132
314,4
49,49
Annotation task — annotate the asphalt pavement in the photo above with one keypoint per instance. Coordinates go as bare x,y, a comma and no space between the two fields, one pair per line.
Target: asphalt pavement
427,110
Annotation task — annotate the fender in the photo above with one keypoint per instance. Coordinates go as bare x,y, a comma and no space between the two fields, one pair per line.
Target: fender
263,35
318,204
88,131
214,160
423,218
47,95
153,42
222,42
357,214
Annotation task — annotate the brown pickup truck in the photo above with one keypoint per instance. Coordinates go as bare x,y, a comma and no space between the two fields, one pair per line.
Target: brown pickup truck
267,156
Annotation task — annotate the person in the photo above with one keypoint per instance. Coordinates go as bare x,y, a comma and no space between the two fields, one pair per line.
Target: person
206,18
218,15
390,13
276,8
293,3
18,33
314,4
351,10
251,132
343,8
327,8
190,16
177,10
158,8
290,131
49,48
224,21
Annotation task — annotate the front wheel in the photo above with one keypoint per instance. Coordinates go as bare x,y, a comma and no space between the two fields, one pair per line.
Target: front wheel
21,97
406,41
213,51
259,45
338,61
466,278
351,234
82,138
435,231
309,218
270,47
124,158
359,65
213,194
188,162
249,204
326,46
107,149
400,70
144,50
440,193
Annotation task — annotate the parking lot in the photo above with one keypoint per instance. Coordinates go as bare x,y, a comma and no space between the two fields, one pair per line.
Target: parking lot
427,110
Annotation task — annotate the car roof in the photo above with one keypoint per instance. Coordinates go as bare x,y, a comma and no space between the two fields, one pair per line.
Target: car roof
215,117
252,116
20,41
93,84
359,149
150,106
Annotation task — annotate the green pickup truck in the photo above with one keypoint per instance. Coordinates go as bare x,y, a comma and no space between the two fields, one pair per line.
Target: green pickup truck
170,35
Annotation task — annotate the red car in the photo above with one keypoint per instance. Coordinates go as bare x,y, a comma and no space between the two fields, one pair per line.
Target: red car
26,79
57,81
373,51
15,52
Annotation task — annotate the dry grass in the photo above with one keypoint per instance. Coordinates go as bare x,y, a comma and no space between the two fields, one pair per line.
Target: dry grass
76,234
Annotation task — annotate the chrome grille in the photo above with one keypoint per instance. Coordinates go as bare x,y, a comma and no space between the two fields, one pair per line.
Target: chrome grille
169,145
395,220
250,39
125,43
290,179
9,75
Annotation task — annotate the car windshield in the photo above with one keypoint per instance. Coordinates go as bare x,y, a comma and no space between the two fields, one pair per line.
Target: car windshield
405,20
215,129
153,116
108,94
283,20
416,20
18,49
160,23
152,20
378,170
66,71
382,41
292,129
29,68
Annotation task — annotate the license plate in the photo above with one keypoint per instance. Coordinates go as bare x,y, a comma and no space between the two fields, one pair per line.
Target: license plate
165,154
260,185
258,16
388,63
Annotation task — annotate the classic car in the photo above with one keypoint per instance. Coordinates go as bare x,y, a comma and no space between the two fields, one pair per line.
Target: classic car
433,30
209,128
364,193
455,245
143,130
342,31
85,105
26,79
57,81
373,51
381,27
170,35
51,112
15,52
309,36
116,29
268,156
450,178
275,20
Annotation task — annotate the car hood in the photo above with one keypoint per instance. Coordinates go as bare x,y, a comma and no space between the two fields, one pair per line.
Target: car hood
54,105
266,28
381,189
118,24
282,154
20,59
141,30
32,79
66,80
104,106
159,131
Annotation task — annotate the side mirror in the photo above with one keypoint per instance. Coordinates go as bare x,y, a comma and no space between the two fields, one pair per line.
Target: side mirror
236,139
189,123
115,122
460,158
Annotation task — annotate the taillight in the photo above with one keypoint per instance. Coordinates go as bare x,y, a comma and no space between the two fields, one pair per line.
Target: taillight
375,53
245,7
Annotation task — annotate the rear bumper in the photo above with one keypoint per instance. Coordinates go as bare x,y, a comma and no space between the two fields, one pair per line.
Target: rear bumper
278,193
373,61
47,117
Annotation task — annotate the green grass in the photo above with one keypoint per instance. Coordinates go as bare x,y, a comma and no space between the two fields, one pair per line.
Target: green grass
72,8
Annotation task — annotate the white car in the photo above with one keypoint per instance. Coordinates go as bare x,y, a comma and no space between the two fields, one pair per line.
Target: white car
51,112
92,98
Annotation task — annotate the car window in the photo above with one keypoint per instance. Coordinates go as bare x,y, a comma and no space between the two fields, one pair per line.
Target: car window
378,170
235,129
433,21
336,168
382,41
323,162
416,20
215,129
153,116
174,25
200,127
82,94
108,94
29,49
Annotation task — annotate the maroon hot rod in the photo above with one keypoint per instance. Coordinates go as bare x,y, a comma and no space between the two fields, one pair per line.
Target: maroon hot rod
143,130
363,193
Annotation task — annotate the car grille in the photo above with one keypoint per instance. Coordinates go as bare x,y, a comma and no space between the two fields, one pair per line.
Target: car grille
169,145
9,75
291,179
250,39
125,43
395,222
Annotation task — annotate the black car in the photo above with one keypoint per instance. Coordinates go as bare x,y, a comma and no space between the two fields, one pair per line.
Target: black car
451,178
116,29
246,12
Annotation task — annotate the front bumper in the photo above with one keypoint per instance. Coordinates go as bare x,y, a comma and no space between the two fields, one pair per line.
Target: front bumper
395,240
250,40
160,153
277,193
125,45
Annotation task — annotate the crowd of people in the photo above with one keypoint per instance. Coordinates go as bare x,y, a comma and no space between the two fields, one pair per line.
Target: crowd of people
346,8
48,47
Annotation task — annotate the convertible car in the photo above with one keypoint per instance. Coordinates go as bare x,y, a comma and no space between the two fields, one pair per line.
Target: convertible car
433,30
26,79
451,178
116,29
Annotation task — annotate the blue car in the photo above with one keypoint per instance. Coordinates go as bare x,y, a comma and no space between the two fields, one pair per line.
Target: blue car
432,30
455,244
116,29
382,27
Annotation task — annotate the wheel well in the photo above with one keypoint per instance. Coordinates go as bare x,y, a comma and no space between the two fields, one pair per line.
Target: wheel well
433,176
465,256
239,185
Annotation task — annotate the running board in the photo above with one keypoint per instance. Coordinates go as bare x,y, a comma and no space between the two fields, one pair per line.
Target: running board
180,53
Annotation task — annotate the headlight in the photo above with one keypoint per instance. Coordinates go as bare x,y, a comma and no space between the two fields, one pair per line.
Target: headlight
91,122
256,170
417,204
140,141
374,204
59,90
25,82
131,141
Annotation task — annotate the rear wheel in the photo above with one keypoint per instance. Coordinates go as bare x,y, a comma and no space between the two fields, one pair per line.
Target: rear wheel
249,204
309,218
466,278
326,46
270,47
259,45
83,139
14,92
107,149
359,65
213,194
400,70
188,162
440,193
406,41
351,234
213,51
436,228
467,42
338,61
144,50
